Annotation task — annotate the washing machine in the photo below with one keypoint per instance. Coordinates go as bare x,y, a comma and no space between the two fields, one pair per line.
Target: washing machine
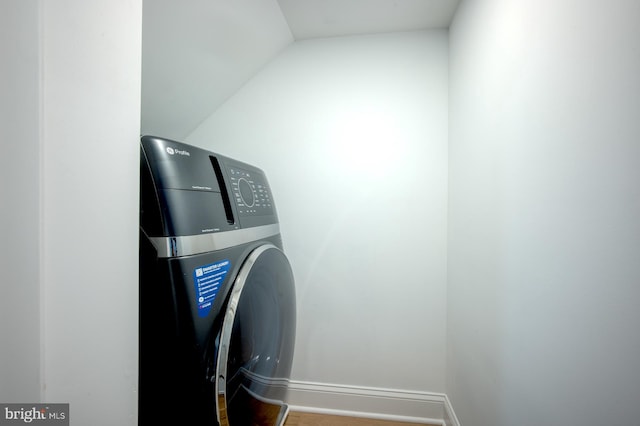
217,294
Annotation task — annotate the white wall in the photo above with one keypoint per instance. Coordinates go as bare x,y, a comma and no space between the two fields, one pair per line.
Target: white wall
20,201
544,240
90,139
70,113
352,133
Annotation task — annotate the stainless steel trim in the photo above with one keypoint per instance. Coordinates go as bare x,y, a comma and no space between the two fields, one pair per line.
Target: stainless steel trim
195,244
227,328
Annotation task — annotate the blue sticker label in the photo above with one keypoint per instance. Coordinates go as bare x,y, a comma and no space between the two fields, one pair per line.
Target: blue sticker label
208,280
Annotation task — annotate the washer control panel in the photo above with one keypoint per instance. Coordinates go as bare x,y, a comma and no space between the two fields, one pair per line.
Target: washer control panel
250,192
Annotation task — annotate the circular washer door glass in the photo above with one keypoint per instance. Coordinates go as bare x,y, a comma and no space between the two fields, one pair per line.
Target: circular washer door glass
257,340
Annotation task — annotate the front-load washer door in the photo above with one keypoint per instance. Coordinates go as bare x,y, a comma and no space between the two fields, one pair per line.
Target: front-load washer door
256,342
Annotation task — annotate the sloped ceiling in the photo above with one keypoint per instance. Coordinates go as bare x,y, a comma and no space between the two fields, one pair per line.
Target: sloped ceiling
197,53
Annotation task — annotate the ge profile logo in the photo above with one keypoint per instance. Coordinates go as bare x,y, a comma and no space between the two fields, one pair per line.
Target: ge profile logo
172,151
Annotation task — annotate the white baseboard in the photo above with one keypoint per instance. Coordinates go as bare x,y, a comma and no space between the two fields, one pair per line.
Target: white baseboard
450,418
369,402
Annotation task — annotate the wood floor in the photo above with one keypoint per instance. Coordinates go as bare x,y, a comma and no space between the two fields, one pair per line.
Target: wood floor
309,419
